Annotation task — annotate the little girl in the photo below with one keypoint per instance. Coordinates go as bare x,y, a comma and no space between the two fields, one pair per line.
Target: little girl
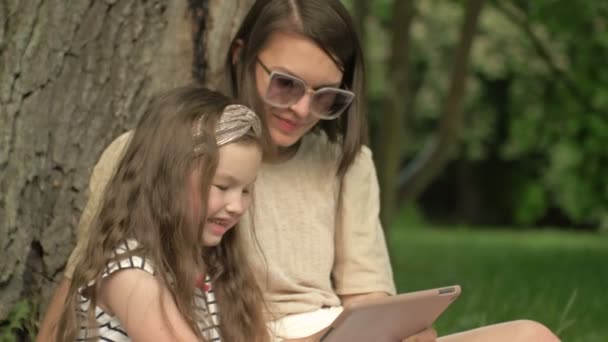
164,261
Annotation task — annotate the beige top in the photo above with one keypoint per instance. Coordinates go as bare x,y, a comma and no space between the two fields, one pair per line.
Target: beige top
309,261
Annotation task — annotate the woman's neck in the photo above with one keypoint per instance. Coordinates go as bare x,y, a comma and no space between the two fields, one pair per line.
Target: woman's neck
283,154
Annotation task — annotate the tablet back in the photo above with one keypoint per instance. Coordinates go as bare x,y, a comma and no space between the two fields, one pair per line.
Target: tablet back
391,319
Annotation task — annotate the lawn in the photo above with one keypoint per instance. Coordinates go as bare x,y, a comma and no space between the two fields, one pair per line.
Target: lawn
557,278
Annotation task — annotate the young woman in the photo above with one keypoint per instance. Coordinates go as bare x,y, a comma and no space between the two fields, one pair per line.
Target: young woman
299,64
168,219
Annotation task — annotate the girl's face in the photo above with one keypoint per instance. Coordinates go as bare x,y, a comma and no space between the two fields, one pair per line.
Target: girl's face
301,57
230,193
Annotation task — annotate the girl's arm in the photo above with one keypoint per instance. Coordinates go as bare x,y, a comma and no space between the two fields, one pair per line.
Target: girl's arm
132,295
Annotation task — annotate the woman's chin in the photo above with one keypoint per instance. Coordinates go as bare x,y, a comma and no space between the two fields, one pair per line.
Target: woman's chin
282,140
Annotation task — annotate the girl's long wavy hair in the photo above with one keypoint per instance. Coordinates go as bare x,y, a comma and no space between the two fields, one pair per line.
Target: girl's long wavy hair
146,200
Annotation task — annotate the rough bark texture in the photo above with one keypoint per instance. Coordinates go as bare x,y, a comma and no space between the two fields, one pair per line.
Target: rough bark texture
225,18
73,76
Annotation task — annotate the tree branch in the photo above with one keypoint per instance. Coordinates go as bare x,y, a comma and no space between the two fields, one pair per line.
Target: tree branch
520,19
431,160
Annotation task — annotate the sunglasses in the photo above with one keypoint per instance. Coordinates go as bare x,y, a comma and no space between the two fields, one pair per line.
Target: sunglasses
284,90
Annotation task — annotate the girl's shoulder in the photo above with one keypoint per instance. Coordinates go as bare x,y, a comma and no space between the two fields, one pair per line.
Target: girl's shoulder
127,279
126,257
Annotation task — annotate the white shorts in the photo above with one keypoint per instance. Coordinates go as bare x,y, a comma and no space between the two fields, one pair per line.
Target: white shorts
304,324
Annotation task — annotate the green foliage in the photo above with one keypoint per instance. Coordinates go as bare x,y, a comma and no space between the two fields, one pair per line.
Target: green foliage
410,217
553,105
21,322
382,10
532,204
537,92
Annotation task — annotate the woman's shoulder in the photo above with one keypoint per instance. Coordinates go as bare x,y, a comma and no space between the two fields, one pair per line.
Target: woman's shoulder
316,145
108,162
116,148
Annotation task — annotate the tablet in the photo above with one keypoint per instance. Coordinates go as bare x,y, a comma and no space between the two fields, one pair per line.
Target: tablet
390,319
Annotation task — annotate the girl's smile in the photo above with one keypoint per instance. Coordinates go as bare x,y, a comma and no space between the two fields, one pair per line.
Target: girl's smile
230,193
219,226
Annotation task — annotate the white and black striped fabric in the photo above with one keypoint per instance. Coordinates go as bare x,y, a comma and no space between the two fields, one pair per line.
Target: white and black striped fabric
109,328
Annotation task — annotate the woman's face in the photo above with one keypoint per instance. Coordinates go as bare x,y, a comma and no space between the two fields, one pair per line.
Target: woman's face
301,57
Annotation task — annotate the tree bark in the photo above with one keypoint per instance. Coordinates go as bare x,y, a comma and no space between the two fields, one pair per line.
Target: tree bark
73,76
361,14
431,160
393,122
225,19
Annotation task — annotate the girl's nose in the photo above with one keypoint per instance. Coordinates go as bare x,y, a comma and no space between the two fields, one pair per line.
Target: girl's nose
235,205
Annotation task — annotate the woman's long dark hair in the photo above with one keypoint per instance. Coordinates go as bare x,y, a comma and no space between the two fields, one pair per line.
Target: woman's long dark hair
325,22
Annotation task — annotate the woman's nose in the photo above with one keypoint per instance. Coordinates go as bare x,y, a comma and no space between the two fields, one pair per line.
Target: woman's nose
302,106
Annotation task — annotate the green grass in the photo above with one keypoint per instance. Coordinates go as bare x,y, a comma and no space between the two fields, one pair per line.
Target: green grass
557,278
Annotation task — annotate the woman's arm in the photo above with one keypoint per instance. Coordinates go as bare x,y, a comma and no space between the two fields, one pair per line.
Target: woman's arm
352,298
134,297
362,266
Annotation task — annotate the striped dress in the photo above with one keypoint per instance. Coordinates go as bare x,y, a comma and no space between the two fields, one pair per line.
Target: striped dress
109,327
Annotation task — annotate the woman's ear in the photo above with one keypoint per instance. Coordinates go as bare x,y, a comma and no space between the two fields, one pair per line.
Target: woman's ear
236,49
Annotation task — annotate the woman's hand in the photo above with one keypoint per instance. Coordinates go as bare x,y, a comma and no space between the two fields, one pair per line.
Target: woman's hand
427,335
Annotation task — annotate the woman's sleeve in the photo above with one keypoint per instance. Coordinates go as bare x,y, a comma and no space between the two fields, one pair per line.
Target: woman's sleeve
102,172
362,263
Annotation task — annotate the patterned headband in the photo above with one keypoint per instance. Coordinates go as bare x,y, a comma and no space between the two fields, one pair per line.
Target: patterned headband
236,121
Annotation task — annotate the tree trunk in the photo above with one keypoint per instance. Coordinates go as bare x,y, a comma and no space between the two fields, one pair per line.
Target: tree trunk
226,17
73,76
360,15
431,160
393,122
